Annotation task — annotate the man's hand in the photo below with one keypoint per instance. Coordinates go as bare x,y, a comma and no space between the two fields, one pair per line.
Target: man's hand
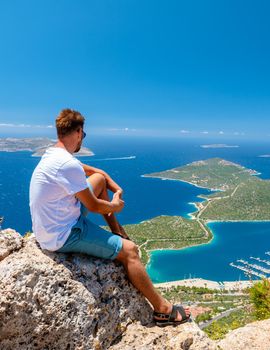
117,201
120,190
98,205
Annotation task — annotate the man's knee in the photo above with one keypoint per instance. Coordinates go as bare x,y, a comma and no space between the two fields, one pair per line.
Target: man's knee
129,251
98,183
97,177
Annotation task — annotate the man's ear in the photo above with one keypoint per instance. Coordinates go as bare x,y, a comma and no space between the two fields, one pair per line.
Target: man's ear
78,133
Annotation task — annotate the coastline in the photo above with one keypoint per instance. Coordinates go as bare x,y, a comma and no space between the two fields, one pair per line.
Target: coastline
199,244
148,252
188,182
194,215
191,217
186,247
202,283
36,145
248,221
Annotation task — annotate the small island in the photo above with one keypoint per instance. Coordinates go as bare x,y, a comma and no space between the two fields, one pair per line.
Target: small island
219,145
237,195
36,145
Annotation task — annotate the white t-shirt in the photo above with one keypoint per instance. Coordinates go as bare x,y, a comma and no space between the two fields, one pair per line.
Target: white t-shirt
54,208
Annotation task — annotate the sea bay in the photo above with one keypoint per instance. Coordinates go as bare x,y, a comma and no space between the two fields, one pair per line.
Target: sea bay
232,241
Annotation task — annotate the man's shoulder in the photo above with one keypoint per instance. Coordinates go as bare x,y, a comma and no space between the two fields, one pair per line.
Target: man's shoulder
57,160
70,163
61,156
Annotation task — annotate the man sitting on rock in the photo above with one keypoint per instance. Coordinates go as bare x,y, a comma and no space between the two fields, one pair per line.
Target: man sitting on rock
60,194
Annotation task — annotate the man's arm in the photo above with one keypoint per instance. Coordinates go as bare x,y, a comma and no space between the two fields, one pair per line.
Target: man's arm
111,184
96,205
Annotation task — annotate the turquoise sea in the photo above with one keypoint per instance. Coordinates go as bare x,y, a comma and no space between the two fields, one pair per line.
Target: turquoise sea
126,159
232,241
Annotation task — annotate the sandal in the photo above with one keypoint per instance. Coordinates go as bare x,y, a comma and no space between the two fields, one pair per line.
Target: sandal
170,319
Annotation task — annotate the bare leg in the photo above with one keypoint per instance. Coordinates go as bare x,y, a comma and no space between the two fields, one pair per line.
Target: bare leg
137,275
98,184
129,257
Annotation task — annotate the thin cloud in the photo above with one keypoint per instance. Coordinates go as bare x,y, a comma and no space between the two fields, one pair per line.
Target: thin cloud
205,132
122,129
24,126
5,124
11,125
221,132
238,133
184,131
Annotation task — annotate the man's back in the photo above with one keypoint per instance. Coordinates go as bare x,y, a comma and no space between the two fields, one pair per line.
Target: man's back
54,208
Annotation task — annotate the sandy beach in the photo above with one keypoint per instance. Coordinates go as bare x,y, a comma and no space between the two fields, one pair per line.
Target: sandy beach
199,282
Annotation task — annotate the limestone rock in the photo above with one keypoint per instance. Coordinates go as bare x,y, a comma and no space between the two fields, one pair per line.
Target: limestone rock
58,301
10,241
254,336
183,337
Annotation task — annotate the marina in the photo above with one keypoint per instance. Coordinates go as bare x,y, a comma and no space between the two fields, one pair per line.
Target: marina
260,260
259,269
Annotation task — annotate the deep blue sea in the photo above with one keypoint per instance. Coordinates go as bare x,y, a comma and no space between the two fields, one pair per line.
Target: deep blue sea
146,198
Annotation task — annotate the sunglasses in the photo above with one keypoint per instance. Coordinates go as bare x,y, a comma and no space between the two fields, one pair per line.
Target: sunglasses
83,133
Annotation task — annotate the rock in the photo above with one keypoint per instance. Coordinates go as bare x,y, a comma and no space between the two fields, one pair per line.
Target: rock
10,241
58,301
183,337
71,301
254,336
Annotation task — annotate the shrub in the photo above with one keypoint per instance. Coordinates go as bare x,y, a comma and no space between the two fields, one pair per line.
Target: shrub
260,298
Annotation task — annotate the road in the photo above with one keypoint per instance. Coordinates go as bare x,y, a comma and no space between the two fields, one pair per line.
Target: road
219,316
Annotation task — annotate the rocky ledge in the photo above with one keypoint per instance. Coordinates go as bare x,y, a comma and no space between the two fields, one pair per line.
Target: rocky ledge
58,301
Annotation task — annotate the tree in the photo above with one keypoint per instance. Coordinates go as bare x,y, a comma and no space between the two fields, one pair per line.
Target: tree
260,298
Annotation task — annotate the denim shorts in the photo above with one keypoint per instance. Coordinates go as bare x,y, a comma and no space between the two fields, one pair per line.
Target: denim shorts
89,238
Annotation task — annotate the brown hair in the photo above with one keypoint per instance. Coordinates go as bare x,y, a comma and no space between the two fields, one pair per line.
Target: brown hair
68,121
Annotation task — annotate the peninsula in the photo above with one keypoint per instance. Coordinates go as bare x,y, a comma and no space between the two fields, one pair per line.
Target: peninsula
238,195
36,145
167,232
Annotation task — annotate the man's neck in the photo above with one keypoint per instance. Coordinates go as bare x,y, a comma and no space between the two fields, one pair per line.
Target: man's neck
65,146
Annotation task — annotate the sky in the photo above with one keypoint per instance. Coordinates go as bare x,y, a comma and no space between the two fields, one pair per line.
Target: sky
137,67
